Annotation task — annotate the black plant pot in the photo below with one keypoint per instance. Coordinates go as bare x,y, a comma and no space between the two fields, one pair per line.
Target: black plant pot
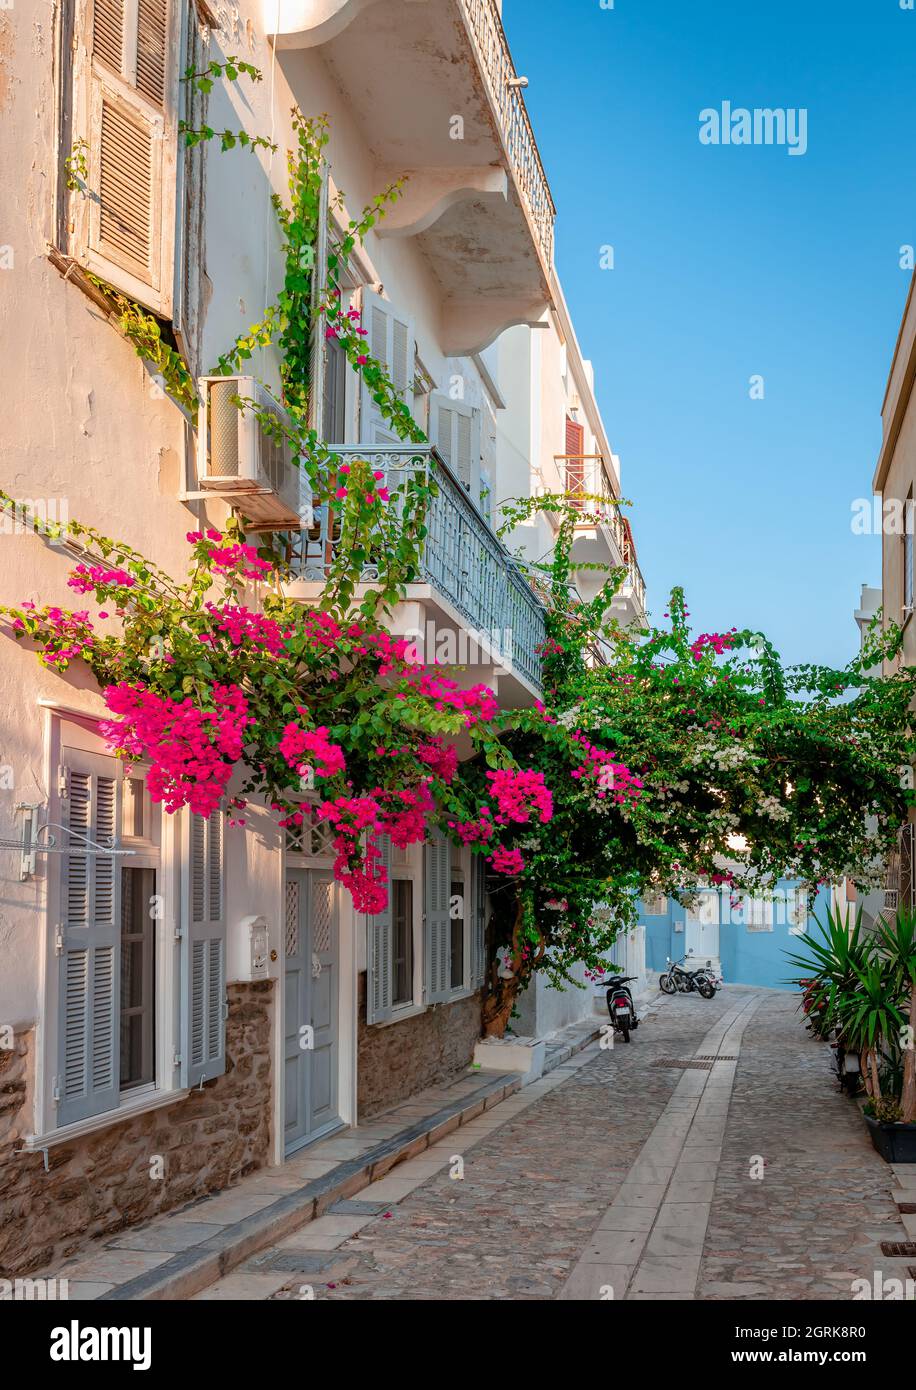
896,1143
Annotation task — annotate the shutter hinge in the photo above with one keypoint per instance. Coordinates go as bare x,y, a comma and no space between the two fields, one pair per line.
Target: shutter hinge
176,1060
59,941
55,1090
178,931
225,1009
63,782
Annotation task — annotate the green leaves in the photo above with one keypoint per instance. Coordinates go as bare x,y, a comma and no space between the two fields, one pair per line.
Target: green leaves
231,70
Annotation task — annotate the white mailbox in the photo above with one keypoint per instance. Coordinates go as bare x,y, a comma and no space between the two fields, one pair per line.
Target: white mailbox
258,947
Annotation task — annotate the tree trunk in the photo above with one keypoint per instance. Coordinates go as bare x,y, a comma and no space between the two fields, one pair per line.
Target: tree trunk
908,1093
498,1006
500,1001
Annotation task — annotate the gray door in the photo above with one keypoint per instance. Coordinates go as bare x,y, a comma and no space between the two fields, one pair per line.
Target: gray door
311,989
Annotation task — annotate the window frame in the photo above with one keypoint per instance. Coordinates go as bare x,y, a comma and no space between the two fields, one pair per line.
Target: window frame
66,727
458,878
146,1010
83,82
410,959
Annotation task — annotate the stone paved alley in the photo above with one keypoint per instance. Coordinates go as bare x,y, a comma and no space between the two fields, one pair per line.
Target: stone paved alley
619,1177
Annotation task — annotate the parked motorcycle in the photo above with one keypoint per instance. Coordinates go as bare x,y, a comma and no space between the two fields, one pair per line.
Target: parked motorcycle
620,1005
706,975
846,1066
677,979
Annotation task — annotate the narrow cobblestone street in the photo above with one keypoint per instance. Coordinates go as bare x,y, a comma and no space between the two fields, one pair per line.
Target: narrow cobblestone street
621,1176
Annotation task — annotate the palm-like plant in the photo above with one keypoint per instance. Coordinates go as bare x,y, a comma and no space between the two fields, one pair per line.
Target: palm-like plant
868,1018
867,987
895,944
832,965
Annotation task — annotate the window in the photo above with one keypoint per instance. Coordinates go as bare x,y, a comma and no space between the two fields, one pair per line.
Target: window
456,942
758,913
908,552
798,911
402,941
124,125
120,987
655,905
455,430
334,416
391,342
575,462
138,978
452,944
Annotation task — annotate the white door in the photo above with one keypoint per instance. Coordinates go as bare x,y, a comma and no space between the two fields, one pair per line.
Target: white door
310,1001
702,934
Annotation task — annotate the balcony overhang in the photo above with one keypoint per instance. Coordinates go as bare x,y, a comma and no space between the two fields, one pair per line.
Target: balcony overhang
431,88
440,634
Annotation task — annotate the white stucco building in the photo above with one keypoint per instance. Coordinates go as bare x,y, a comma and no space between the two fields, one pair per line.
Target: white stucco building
118,1019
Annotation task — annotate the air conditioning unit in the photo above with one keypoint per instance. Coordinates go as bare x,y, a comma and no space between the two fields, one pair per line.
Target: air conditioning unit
240,460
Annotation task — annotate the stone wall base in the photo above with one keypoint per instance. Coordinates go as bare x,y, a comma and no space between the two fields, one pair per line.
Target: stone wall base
107,1181
399,1059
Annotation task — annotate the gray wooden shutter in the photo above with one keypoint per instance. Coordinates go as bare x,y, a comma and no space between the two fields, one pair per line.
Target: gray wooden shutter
391,341
380,950
205,1018
455,430
89,939
125,105
318,362
478,921
437,876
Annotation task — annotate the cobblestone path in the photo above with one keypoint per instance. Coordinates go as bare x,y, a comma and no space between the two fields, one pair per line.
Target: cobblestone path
812,1224
541,1172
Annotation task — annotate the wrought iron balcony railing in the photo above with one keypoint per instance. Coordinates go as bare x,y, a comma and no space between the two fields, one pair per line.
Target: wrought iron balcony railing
461,558
586,478
486,29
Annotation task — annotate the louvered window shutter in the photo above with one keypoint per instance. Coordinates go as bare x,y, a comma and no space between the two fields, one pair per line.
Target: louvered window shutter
478,922
437,922
575,463
319,360
125,104
391,341
205,1014
455,430
89,940
380,950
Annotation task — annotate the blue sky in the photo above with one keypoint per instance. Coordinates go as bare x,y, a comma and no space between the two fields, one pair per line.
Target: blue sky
728,263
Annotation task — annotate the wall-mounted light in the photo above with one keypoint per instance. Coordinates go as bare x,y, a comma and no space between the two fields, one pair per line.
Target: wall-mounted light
516,82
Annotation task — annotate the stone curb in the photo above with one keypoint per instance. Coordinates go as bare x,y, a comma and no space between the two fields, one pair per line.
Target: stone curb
186,1273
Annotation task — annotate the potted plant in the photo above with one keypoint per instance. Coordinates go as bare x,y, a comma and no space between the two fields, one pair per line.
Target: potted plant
890,1112
867,985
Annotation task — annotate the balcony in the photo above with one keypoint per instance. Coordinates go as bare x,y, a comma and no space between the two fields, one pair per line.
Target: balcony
477,201
469,588
604,535
486,28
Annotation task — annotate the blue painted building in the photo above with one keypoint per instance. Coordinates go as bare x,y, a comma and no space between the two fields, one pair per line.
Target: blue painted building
750,937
